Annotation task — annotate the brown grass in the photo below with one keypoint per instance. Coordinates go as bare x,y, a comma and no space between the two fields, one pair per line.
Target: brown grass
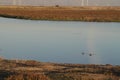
34,70
62,13
28,76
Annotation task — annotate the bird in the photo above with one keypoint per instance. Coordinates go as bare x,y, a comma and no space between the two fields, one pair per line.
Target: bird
91,54
83,53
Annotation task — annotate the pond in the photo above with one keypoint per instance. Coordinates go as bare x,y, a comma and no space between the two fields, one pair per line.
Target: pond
60,41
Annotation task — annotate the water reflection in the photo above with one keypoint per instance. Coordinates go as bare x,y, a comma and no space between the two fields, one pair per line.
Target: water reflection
53,41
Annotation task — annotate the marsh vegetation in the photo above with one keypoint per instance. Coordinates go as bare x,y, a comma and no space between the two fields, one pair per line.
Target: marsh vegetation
30,69
102,14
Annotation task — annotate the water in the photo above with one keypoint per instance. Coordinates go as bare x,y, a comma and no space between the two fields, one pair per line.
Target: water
61,2
60,41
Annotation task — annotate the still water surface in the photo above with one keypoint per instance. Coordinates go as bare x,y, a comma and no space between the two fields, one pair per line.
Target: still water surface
60,41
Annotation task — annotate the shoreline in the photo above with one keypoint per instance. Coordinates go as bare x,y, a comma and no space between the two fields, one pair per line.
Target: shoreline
34,70
86,14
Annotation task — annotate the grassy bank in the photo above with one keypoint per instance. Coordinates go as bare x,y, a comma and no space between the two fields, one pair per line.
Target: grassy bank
97,14
34,70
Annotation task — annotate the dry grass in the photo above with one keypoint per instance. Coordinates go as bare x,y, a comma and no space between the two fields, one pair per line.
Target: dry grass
108,14
34,70
28,76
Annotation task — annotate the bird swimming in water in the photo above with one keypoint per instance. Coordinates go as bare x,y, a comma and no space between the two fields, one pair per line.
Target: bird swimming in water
83,53
90,54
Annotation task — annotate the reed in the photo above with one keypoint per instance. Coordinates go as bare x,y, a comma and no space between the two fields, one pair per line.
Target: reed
34,70
62,13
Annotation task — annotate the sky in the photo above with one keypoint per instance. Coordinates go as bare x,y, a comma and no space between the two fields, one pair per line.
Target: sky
61,2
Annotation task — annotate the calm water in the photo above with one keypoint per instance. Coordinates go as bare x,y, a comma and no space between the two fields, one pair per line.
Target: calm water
54,41
61,2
